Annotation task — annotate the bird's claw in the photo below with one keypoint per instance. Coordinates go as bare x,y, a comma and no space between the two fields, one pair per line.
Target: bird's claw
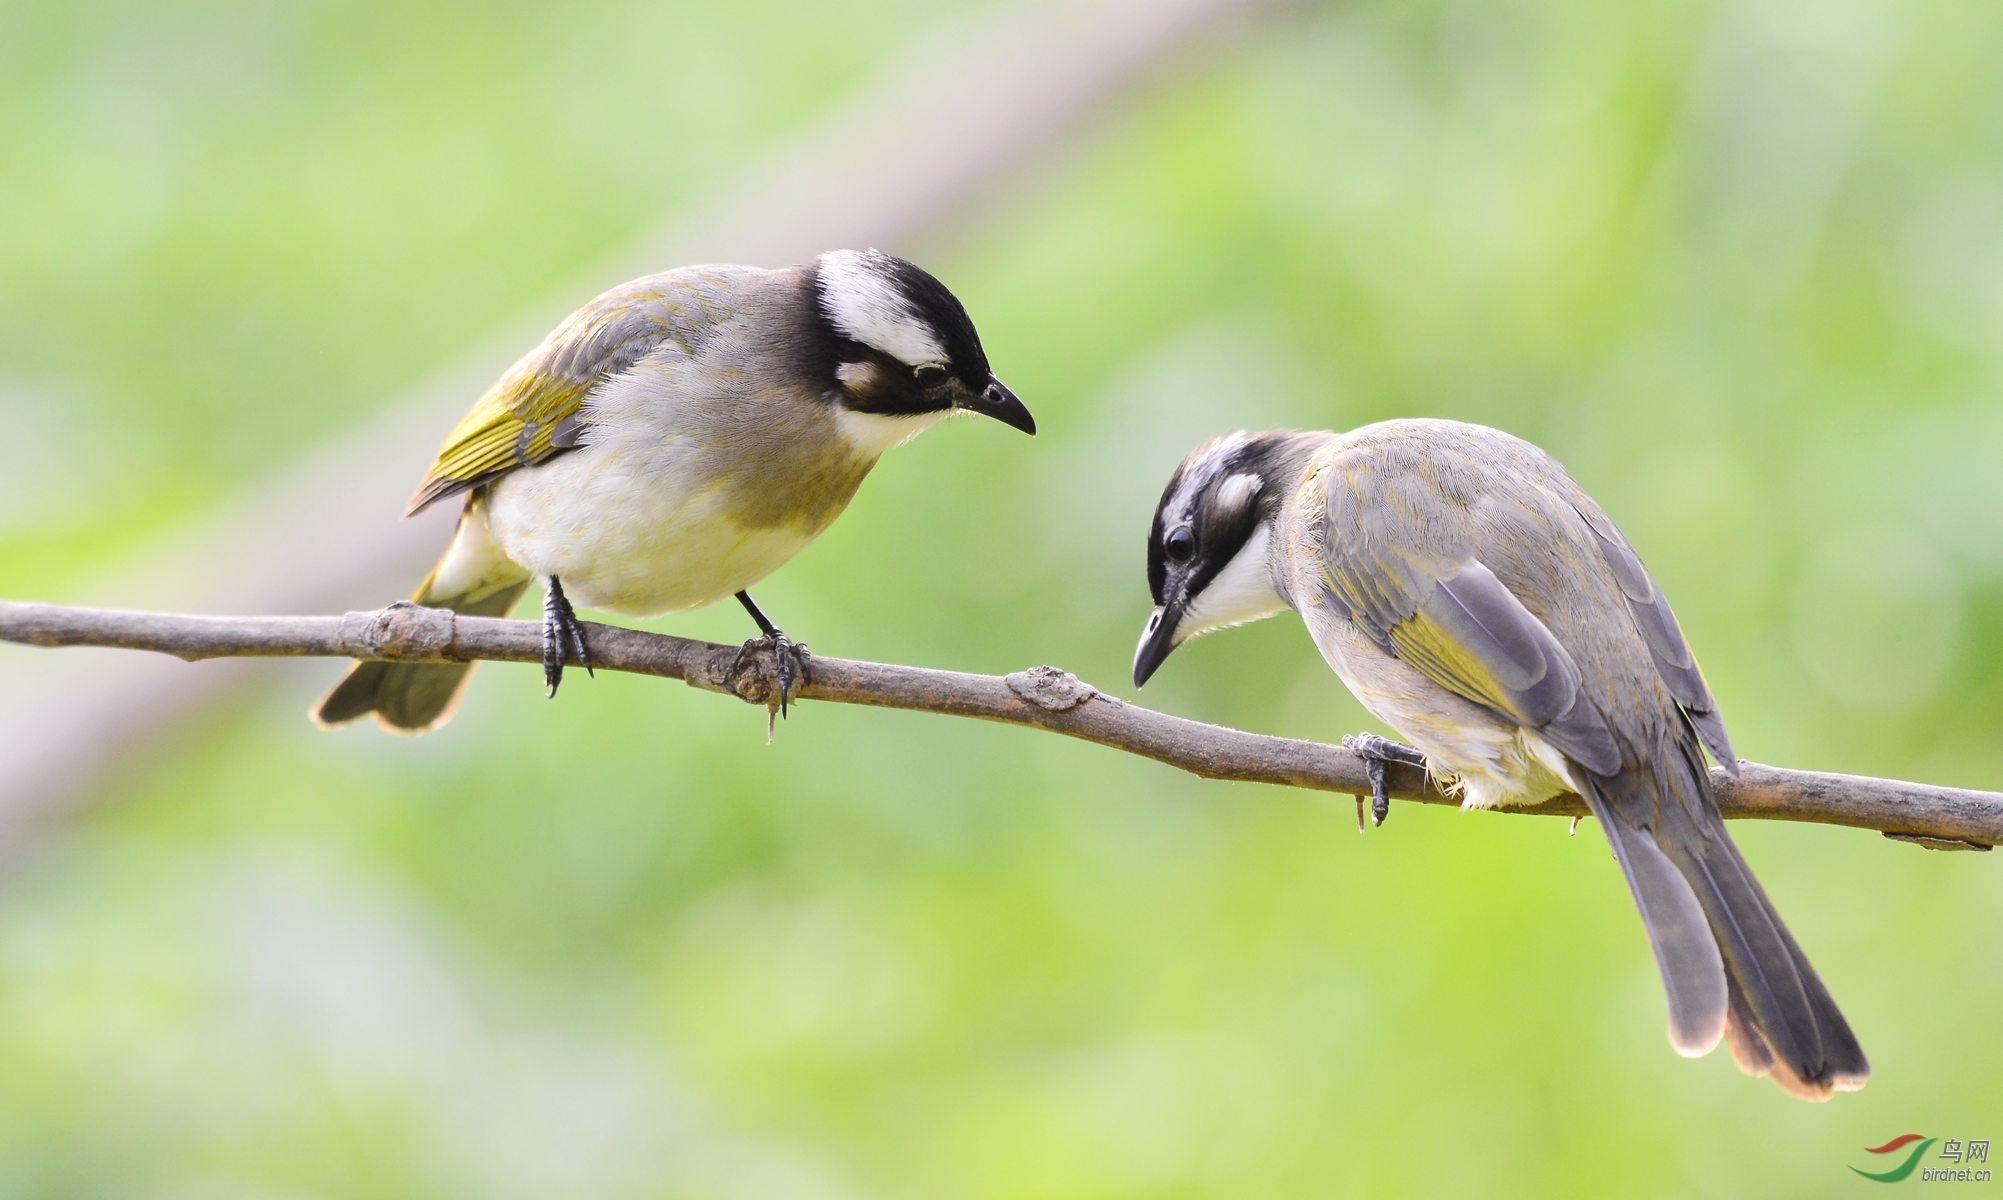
1375,752
562,636
789,667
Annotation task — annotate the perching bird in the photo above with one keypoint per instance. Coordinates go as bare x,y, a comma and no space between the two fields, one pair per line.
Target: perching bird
1476,600
675,441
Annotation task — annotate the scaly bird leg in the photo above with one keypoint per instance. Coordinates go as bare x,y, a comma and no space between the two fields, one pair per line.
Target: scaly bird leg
789,658
562,635
1375,752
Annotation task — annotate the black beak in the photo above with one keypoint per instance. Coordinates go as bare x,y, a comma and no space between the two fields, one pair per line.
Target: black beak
1157,641
998,402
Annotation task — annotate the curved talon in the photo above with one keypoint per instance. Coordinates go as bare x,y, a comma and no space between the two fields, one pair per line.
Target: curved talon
794,660
1376,752
789,663
789,659
782,661
562,635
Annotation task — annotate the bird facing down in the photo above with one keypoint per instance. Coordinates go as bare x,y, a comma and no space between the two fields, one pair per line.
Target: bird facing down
1476,600
675,441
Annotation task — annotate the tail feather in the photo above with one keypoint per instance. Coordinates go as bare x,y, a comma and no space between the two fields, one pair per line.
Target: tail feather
1743,1037
1755,1055
405,698
473,578
1773,1010
1693,975
1791,1024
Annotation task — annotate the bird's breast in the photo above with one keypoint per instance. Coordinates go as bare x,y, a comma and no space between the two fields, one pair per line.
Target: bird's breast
651,517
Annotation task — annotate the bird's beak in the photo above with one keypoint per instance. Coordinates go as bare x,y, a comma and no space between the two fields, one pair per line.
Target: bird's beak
1157,641
998,402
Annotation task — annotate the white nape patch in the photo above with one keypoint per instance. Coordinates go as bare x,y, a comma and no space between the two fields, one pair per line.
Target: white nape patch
1237,491
1203,465
859,295
1221,444
870,434
1243,591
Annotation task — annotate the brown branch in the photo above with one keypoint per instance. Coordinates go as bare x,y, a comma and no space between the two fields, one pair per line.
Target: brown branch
1044,697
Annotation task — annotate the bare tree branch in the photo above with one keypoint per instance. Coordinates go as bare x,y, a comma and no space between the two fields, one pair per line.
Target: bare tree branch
1044,697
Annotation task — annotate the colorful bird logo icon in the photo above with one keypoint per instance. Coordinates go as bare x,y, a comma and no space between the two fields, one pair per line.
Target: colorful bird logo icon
1903,1169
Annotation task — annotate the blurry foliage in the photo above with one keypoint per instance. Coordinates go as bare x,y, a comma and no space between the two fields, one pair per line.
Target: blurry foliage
1740,266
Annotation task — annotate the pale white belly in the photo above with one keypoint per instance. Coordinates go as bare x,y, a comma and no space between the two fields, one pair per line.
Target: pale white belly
1488,761
633,532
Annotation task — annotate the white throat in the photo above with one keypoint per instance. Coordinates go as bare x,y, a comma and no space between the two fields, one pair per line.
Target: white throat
870,434
1243,591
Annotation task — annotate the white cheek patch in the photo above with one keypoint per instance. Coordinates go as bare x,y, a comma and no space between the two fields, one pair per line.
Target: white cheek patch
1243,591
856,375
864,303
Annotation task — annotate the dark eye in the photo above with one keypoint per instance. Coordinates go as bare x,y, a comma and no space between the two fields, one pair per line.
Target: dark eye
1180,544
930,375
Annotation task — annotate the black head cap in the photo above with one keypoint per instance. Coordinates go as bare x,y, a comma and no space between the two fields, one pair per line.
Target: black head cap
1209,547
902,344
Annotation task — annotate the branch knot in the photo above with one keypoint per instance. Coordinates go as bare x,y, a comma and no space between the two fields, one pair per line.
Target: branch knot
402,631
1050,688
732,671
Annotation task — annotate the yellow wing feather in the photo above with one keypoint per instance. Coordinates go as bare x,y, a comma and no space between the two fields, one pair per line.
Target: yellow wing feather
510,426
1439,657
536,410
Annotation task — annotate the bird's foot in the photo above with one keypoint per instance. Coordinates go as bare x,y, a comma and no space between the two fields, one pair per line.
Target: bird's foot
1375,752
789,668
562,636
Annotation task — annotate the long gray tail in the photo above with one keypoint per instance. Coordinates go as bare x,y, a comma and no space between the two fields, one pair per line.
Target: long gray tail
1729,966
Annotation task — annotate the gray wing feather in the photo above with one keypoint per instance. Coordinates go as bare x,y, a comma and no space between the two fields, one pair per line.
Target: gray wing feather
1375,573
1380,575
540,407
1658,628
1488,621
1523,657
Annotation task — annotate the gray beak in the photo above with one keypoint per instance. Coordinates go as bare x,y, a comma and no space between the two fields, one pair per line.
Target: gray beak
1157,641
998,402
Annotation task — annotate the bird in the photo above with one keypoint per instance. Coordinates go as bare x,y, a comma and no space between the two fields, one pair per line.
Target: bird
1475,599
675,441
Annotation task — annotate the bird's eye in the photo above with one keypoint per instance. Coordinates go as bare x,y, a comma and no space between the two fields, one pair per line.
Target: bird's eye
1180,544
930,375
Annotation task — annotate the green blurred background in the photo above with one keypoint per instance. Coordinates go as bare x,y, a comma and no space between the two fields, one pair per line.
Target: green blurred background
1738,265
